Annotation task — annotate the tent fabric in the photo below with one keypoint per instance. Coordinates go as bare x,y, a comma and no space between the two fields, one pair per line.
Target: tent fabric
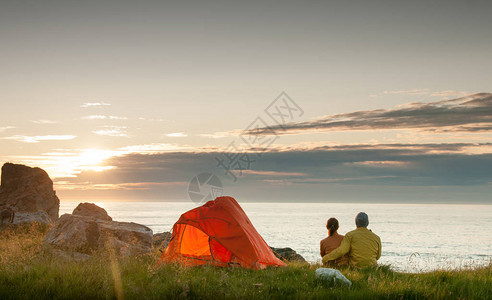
218,233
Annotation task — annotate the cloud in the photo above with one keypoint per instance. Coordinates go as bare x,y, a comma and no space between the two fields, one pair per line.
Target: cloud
155,120
177,134
217,135
269,173
2,129
331,172
84,186
448,94
381,163
472,128
94,104
103,117
468,114
413,92
345,180
61,163
151,148
406,149
384,164
112,131
38,138
44,122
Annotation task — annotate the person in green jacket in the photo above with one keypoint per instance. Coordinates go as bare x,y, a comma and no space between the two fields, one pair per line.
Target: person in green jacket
362,245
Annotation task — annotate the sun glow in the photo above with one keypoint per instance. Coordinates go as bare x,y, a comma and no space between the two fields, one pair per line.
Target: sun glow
84,160
90,159
69,163
62,163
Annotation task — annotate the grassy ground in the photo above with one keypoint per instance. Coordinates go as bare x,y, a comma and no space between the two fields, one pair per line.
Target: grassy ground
28,272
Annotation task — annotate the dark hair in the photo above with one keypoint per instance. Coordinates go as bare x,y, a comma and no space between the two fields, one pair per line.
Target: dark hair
332,225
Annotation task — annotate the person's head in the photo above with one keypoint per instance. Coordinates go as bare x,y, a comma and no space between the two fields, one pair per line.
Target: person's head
361,220
332,225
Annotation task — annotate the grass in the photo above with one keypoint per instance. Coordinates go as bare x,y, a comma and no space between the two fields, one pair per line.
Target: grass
29,272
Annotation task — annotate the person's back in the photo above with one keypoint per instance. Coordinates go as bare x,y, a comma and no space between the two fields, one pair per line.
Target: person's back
362,245
365,247
332,241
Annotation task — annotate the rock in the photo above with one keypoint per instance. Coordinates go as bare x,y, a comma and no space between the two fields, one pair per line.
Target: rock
288,254
73,233
39,217
70,256
6,216
28,190
128,237
332,276
83,234
159,240
91,210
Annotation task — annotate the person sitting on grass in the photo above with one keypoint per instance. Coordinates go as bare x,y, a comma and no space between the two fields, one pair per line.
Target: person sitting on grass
362,245
331,242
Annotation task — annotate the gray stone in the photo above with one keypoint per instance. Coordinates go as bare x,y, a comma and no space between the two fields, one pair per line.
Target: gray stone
91,210
38,217
332,276
88,235
127,238
159,240
74,233
288,254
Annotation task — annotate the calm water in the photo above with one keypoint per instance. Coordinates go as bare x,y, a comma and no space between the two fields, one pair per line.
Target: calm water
415,237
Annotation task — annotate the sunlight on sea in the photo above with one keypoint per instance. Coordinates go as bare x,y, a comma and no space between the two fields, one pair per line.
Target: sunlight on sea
415,237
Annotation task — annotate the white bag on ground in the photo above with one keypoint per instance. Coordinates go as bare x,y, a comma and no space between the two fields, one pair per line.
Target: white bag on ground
332,275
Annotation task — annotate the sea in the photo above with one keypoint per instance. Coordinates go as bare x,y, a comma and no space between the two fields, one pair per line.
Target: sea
415,237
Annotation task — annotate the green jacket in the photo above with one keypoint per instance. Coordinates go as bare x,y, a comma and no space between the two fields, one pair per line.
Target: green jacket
362,245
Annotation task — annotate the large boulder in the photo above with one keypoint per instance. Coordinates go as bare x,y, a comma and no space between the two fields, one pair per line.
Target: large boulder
84,234
27,190
91,210
288,254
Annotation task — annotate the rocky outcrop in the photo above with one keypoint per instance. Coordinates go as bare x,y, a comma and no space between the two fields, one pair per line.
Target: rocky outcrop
162,239
91,210
27,190
39,217
88,234
288,254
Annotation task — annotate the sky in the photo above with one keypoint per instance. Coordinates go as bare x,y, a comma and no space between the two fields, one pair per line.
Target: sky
327,101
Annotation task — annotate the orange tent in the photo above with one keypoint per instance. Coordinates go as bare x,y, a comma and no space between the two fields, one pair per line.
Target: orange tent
218,233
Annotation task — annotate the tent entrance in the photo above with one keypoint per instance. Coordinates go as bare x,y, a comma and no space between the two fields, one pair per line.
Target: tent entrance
197,244
194,242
